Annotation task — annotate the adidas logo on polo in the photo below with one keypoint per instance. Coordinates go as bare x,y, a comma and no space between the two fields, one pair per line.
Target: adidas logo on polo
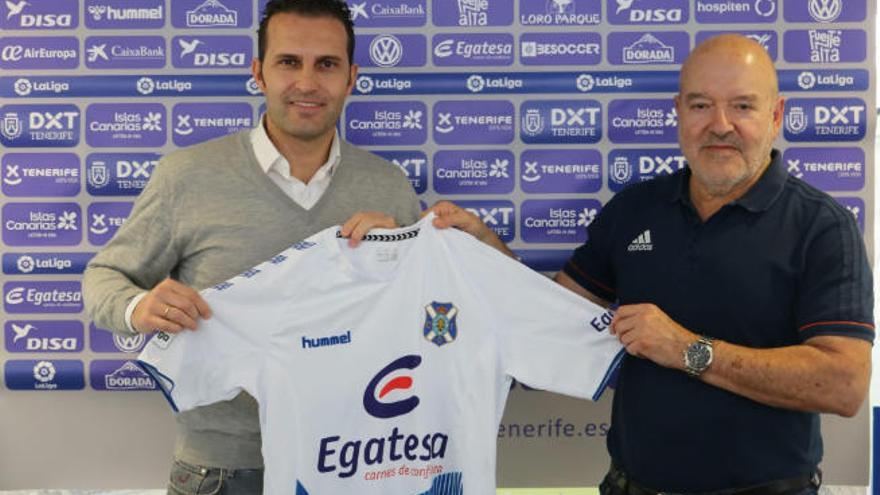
642,242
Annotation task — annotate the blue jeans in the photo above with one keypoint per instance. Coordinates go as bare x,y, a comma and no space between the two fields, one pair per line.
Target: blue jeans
186,479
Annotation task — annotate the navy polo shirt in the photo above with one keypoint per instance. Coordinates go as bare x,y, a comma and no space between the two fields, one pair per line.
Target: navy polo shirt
782,264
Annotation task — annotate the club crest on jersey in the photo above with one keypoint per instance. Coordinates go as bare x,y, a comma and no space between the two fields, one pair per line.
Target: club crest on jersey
440,326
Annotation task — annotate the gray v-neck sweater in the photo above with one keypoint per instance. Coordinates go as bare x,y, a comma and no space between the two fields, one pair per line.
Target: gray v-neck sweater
209,213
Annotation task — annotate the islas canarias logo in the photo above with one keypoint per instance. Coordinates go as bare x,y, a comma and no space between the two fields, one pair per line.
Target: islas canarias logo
387,395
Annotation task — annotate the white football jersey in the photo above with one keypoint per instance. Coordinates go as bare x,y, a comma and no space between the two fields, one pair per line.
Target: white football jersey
384,369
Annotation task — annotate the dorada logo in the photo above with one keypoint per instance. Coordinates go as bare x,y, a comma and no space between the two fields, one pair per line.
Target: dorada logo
637,15
386,50
211,13
806,80
27,20
375,396
825,10
796,122
129,377
648,50
473,12
440,326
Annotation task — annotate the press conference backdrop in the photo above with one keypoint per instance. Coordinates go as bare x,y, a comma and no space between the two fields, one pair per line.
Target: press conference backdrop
531,113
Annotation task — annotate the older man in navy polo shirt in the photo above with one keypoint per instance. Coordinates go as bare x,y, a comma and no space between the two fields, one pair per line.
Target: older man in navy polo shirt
745,298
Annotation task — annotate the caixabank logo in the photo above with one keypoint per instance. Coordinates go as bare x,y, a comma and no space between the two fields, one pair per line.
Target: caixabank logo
654,48
474,172
559,12
473,49
45,263
560,121
126,125
825,46
212,14
40,174
560,171
119,174
627,166
560,48
44,126
125,14
125,52
44,374
390,50
558,220
498,215
211,52
473,13
44,336
42,297
647,11
198,122
386,123
413,163
116,375
105,219
387,13
769,40
42,224
105,341
39,52
462,122
829,169
30,14
826,11
825,119
736,11
642,121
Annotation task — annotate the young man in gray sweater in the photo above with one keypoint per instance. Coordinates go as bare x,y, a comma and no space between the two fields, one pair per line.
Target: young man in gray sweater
216,209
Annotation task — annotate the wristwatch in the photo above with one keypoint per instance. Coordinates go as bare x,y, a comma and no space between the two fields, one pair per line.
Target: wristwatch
698,356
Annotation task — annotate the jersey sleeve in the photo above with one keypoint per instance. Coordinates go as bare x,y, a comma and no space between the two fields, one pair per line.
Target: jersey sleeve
549,338
835,294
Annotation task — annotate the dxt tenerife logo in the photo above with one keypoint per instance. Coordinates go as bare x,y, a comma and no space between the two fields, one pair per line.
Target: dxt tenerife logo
211,14
473,172
388,13
560,13
125,124
413,163
713,11
119,174
498,215
125,14
647,11
44,336
561,171
209,52
462,122
642,121
440,326
473,49
561,121
119,375
386,396
42,297
45,263
829,169
125,52
628,166
40,174
558,220
29,14
825,119
55,52
386,123
39,125
38,224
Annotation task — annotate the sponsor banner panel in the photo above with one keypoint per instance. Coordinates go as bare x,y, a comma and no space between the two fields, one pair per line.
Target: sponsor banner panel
391,50
560,171
119,174
413,163
561,121
125,52
42,297
45,263
557,220
105,341
768,39
44,374
472,13
386,123
825,119
55,336
386,13
44,126
198,122
498,215
105,219
473,172
42,224
125,14
40,174
117,375
38,15
829,169
462,122
628,166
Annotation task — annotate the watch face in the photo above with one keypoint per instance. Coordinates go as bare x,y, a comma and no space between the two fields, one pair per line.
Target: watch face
698,355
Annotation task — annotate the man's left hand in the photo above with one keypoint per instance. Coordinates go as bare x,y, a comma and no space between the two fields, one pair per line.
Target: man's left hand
647,332
356,227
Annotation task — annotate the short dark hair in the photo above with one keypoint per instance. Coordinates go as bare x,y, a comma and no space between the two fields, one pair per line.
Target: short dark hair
336,9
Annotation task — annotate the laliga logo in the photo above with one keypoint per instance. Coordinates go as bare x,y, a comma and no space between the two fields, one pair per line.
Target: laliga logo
44,372
364,84
145,85
373,402
476,83
825,10
23,87
806,80
252,87
386,50
585,82
25,264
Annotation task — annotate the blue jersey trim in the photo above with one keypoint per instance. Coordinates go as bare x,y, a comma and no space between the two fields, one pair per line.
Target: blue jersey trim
166,385
608,374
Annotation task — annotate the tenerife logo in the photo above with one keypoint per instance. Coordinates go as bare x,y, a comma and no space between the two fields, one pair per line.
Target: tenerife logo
825,10
197,122
386,123
124,14
473,49
41,174
49,336
23,14
561,171
648,50
440,326
557,220
211,13
128,377
461,122
381,386
647,11
829,169
212,51
106,218
386,50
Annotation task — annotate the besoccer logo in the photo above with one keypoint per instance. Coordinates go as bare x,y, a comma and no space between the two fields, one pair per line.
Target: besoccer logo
806,80
385,386
440,326
585,82
145,86
476,83
23,87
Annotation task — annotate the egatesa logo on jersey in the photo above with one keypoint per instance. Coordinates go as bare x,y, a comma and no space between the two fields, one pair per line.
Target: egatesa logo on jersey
382,399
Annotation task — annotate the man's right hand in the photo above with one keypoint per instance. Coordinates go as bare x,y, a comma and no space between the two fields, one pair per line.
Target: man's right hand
448,214
170,307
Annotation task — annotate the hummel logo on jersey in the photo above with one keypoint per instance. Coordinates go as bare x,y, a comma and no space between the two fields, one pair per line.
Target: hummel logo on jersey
642,242
344,338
